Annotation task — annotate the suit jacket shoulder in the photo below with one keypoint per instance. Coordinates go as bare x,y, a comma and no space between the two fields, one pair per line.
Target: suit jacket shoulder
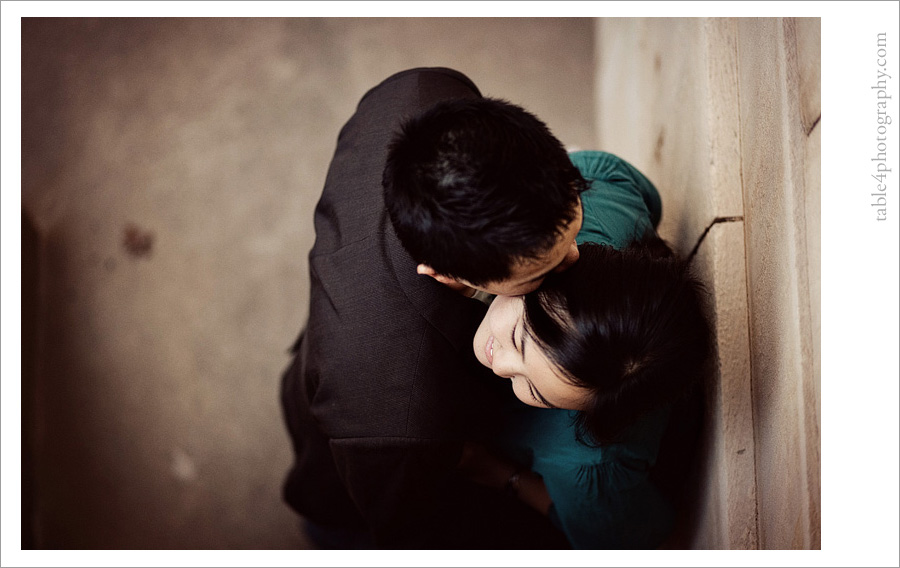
387,352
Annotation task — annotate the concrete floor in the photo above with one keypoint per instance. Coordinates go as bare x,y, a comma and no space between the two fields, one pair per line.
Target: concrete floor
170,168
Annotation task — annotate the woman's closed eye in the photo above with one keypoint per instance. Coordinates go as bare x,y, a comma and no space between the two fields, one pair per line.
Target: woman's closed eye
533,392
537,396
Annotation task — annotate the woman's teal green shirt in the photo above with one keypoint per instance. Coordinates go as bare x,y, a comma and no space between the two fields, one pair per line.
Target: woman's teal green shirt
621,204
602,496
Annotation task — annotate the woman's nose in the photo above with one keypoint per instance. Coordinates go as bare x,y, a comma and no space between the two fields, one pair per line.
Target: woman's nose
502,366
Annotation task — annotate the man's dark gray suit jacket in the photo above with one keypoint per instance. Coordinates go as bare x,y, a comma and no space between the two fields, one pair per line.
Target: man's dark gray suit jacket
384,386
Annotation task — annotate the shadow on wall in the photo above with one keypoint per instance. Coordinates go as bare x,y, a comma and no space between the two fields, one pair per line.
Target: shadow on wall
30,314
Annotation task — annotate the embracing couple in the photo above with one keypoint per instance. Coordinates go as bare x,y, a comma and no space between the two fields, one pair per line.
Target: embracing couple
496,335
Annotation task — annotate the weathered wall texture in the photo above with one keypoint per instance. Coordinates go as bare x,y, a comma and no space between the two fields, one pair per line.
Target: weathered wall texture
171,167
724,115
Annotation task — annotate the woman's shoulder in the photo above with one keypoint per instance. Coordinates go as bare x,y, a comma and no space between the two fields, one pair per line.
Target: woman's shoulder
636,449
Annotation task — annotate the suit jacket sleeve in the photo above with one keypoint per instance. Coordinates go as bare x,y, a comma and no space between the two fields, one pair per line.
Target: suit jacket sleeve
438,508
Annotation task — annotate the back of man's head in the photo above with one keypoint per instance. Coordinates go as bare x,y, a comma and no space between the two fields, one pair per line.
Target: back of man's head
474,186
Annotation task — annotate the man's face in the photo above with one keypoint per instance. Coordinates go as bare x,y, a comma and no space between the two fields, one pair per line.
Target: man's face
528,275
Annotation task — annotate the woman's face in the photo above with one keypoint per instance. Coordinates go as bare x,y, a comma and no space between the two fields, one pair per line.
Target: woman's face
502,344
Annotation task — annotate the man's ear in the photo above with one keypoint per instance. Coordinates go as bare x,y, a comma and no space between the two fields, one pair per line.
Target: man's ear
428,271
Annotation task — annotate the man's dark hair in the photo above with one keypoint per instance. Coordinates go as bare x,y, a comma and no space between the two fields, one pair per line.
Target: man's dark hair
629,325
474,186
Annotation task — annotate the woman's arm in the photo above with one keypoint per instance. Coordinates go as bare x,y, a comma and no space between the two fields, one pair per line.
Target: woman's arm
481,466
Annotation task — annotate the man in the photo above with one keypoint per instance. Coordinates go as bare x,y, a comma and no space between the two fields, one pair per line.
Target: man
384,388
486,199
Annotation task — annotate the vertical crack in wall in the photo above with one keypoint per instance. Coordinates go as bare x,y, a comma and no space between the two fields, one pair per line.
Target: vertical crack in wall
745,209
795,194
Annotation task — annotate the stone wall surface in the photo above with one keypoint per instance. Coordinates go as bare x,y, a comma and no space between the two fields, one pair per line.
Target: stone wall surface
778,117
170,167
724,115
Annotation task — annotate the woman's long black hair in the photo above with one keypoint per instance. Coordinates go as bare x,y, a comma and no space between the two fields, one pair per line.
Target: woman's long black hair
629,325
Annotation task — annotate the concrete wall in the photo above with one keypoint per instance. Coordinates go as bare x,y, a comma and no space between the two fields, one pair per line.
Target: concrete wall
171,167
724,115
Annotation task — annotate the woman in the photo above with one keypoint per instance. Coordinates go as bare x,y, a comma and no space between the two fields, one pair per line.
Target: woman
598,355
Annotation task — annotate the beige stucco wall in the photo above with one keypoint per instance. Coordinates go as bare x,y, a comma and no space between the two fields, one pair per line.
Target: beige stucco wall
724,115
155,420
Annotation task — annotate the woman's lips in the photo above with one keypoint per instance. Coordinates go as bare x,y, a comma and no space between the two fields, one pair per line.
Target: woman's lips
489,350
